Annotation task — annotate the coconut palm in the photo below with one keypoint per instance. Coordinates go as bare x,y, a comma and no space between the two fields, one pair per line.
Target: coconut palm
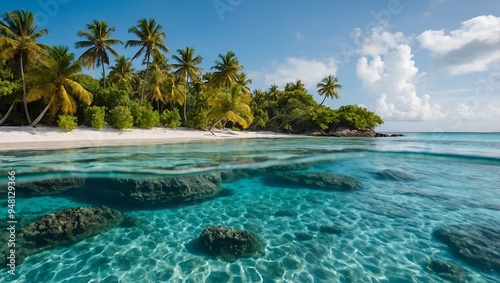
151,43
226,70
297,85
122,73
328,87
232,106
99,44
57,87
18,36
186,68
243,81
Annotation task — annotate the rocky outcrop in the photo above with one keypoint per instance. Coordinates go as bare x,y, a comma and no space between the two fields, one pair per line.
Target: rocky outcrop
448,271
350,132
394,175
63,228
316,180
153,192
229,244
51,186
236,174
479,246
331,229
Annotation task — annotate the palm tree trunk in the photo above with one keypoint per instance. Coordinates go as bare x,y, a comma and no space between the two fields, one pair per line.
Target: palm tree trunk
186,98
24,91
103,76
40,116
302,115
145,77
213,125
8,113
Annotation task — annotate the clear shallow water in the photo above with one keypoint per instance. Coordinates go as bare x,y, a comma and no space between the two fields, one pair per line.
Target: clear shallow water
387,224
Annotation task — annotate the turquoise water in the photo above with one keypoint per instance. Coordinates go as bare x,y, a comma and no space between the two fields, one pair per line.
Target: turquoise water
387,224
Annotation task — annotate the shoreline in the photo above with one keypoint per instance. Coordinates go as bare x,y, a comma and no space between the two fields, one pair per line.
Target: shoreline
14,138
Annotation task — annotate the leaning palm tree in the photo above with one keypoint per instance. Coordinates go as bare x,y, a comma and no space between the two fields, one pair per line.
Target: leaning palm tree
150,40
18,35
56,83
99,44
122,73
232,106
226,70
328,87
186,67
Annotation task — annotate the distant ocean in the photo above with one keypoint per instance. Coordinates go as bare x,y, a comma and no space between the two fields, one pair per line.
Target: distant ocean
410,187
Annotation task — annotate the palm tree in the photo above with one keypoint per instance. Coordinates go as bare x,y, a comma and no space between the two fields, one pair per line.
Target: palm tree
232,106
151,43
99,44
226,70
298,85
122,73
243,81
186,67
328,87
57,86
18,35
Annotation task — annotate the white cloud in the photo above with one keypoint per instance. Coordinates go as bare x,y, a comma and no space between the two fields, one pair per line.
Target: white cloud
386,68
299,36
309,71
471,48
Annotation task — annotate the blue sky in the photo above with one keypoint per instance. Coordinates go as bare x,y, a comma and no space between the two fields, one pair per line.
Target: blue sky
422,65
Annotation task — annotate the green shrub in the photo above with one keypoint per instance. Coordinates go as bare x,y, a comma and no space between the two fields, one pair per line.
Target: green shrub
136,111
171,119
358,117
94,117
149,118
67,122
121,118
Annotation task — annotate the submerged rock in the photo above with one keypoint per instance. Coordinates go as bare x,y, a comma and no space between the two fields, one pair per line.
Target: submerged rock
479,246
237,174
317,180
448,271
152,192
285,213
331,229
228,243
394,175
50,187
64,228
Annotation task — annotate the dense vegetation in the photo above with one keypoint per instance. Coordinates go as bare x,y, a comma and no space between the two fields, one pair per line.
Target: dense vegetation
46,82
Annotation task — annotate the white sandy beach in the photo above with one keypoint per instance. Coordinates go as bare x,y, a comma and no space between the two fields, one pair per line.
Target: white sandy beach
41,137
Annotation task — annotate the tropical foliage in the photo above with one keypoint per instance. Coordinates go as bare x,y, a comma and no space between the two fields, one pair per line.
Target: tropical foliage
49,82
99,45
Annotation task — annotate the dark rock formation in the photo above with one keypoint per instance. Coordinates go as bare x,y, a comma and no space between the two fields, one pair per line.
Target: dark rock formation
394,175
301,236
351,132
330,229
479,246
448,271
228,243
153,192
63,228
317,180
285,213
50,187
236,174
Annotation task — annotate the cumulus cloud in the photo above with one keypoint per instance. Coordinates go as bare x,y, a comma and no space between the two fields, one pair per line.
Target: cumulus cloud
386,68
299,36
309,71
472,47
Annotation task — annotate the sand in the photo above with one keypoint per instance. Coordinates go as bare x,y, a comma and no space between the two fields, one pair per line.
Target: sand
43,138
